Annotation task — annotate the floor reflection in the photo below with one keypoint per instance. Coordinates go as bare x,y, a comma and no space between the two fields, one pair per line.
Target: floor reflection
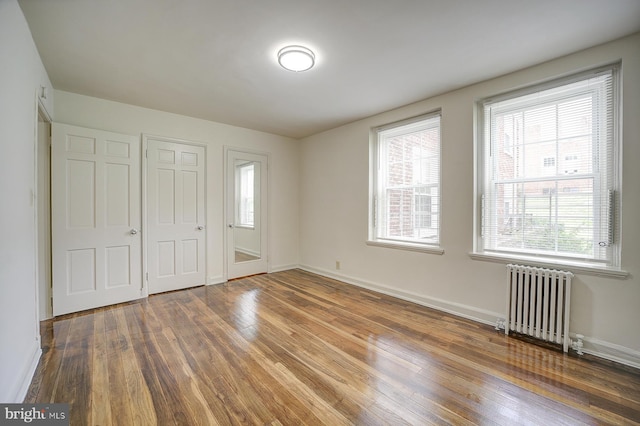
443,383
246,317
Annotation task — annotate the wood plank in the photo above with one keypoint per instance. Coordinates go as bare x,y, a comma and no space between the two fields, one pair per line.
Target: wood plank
100,402
54,340
294,348
121,407
136,387
74,379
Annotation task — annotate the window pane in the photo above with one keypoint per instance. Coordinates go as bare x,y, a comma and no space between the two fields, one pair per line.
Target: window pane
539,160
540,124
576,156
574,117
546,216
399,215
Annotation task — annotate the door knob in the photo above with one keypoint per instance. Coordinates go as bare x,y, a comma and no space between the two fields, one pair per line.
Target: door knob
200,227
133,231
230,225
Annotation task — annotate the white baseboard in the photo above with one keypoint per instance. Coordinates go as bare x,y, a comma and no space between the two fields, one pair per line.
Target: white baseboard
221,279
458,309
610,351
280,268
20,391
592,346
218,279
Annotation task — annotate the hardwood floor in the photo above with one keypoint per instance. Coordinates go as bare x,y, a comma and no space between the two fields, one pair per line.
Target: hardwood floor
293,348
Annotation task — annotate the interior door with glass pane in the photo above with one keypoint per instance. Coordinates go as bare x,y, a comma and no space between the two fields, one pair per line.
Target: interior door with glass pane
246,195
95,218
175,191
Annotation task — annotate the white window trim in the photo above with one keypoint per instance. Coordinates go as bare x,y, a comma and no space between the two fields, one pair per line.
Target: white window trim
374,159
401,245
587,267
544,262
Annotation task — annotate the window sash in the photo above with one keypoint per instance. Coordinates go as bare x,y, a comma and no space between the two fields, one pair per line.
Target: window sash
407,169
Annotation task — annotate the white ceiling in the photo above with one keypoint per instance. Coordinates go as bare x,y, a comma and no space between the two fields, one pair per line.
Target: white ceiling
215,59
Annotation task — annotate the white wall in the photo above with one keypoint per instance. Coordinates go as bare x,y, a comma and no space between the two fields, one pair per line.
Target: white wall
21,75
283,168
334,211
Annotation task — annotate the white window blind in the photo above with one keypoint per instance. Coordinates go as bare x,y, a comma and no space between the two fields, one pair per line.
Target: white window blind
549,175
407,181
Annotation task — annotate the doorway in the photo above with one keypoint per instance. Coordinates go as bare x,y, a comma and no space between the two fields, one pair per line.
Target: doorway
246,213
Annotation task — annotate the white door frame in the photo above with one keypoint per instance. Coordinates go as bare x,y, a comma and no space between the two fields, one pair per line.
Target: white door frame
42,193
41,293
145,219
229,218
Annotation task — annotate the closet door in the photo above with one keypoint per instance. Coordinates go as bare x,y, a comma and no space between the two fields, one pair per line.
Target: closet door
175,193
95,213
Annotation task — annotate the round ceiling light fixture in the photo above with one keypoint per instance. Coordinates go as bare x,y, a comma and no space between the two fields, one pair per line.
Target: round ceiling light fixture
296,58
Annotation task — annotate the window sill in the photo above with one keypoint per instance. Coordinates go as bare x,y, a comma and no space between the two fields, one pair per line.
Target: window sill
407,246
575,267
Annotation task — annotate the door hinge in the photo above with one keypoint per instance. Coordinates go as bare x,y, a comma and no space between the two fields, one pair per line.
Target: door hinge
147,277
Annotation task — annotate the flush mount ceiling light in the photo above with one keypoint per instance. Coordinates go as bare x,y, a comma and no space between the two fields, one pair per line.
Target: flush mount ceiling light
296,58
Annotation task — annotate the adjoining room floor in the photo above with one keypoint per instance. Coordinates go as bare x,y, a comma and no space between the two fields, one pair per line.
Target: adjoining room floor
296,348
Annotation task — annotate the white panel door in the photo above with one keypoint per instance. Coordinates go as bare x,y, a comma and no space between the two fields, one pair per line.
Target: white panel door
247,206
95,215
175,215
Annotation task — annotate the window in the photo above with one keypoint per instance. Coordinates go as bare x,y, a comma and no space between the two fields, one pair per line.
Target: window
534,205
406,182
245,196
